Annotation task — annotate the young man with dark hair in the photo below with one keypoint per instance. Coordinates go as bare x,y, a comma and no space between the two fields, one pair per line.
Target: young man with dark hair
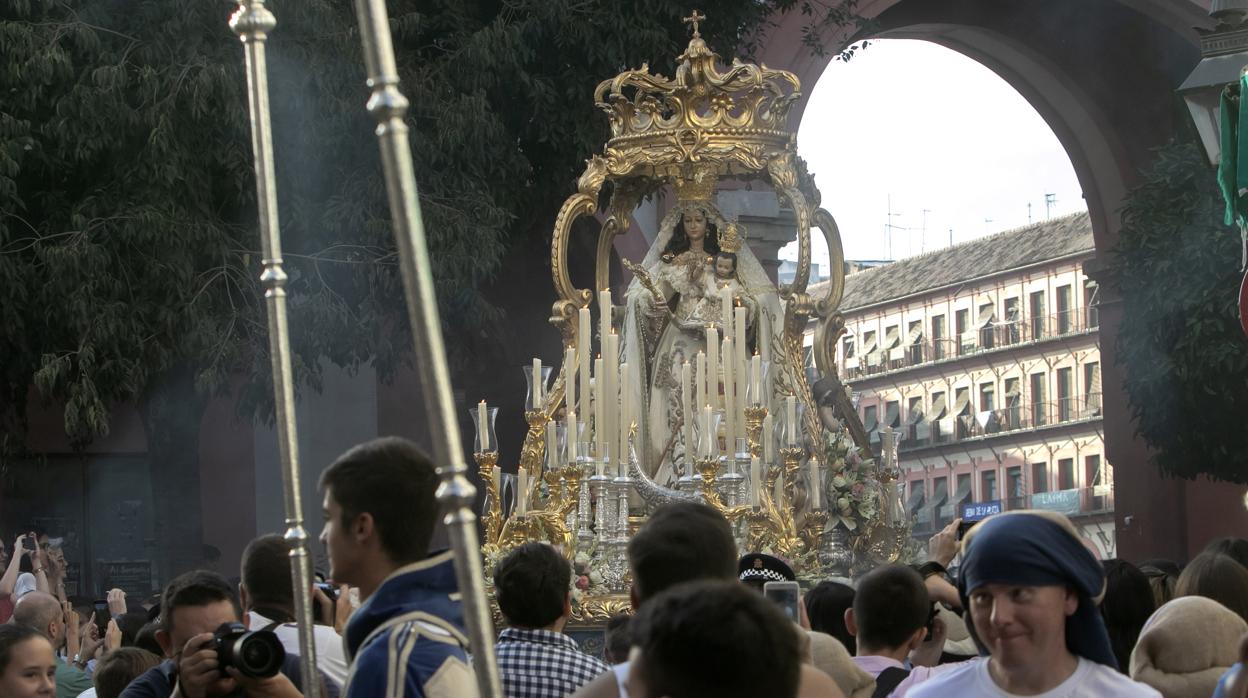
193,607
407,639
687,542
743,644
535,658
889,620
268,597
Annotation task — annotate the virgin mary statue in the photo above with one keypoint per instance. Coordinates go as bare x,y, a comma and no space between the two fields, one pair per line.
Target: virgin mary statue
670,305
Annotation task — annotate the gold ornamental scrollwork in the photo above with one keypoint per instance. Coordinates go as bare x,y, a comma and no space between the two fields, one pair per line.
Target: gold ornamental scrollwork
595,610
826,306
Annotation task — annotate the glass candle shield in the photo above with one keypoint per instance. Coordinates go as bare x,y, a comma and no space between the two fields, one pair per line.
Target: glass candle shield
535,400
791,432
756,390
490,442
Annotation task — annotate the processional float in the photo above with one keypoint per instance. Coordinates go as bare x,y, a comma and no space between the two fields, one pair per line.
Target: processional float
753,425
252,22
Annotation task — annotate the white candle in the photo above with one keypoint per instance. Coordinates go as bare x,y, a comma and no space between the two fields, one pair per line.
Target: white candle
742,367
756,380
552,445
730,400
701,397
815,484
611,369
600,418
622,449
764,336
686,401
583,349
522,482
537,384
756,477
725,309
496,475
483,425
790,405
569,380
707,436
738,328
604,315
712,366
769,444
573,435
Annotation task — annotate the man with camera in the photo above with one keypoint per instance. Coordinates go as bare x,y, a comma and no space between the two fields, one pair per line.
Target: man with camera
209,654
267,594
407,639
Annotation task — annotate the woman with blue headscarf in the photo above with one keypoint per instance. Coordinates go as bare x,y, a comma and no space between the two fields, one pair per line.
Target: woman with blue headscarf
1031,588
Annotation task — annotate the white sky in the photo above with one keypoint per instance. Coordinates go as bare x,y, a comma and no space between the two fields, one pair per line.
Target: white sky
935,130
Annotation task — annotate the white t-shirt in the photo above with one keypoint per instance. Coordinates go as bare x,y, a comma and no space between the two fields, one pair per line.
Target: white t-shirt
1090,680
330,657
25,584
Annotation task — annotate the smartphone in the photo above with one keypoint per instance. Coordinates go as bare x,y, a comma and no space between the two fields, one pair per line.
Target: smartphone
931,622
787,596
29,542
974,513
102,616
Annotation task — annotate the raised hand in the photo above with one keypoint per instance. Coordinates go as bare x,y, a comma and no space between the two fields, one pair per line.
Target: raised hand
116,602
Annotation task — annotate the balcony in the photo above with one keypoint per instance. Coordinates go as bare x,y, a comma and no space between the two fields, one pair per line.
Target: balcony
996,336
1075,503
924,433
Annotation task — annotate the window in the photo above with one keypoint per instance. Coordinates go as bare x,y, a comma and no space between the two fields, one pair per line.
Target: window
984,321
940,426
849,347
914,338
869,418
964,485
1065,403
1066,474
988,486
869,348
1038,412
1092,475
962,411
986,392
1013,402
1039,477
1064,323
1037,314
1091,303
1012,319
892,414
960,320
1092,389
914,413
940,488
1014,483
938,337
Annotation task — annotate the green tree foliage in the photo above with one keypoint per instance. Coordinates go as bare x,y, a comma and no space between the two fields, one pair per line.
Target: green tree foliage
128,246
1185,357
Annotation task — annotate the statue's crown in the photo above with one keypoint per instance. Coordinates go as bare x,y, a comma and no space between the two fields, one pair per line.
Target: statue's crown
733,121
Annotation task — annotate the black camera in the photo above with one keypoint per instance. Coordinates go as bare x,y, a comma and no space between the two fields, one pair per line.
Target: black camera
258,654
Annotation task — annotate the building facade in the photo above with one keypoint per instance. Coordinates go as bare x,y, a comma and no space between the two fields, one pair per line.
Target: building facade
985,357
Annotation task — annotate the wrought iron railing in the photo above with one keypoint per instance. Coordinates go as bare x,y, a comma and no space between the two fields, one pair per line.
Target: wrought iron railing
1014,417
1082,501
995,335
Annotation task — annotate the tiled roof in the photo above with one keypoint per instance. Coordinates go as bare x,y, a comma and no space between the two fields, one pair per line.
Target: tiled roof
1051,239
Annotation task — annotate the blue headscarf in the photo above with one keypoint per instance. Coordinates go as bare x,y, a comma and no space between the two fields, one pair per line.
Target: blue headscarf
1033,549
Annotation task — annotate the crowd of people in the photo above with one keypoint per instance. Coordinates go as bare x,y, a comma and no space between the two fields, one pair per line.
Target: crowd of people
1028,610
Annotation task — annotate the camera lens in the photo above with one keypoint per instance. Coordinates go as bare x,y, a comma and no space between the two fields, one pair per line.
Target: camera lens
258,654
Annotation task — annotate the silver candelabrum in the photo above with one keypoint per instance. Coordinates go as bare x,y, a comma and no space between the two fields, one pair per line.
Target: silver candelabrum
584,506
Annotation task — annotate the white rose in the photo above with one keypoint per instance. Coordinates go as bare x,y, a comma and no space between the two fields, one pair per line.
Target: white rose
595,578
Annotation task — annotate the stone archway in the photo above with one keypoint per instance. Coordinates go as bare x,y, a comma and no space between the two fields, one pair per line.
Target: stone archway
1102,73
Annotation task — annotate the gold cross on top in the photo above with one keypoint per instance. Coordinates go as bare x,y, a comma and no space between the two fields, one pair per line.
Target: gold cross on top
694,19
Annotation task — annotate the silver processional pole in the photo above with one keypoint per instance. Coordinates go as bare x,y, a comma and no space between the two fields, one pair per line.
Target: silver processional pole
252,22
388,106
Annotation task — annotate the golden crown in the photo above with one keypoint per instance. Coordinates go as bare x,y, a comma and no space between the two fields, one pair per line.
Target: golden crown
732,121
698,185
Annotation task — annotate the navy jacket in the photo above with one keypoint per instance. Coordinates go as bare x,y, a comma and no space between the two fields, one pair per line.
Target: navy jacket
407,640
